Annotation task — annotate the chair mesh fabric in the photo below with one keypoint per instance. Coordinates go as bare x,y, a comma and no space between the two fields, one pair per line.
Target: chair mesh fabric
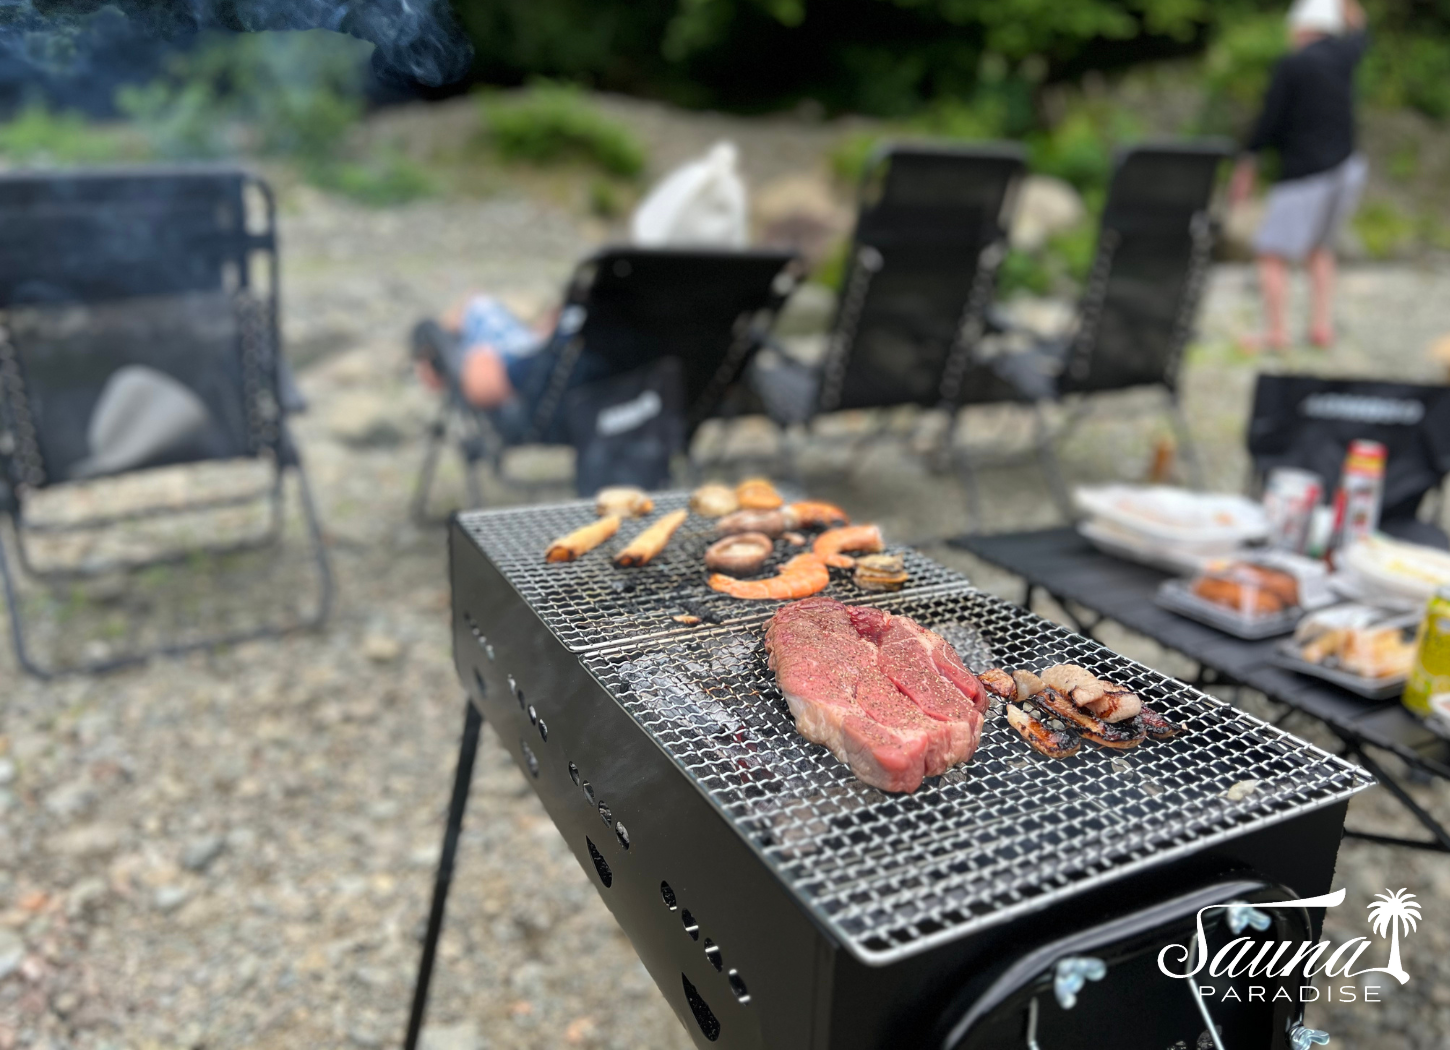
67,354
1138,310
1308,422
695,304
932,215
102,271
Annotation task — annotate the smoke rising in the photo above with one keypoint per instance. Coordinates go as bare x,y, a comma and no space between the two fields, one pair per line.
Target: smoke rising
90,46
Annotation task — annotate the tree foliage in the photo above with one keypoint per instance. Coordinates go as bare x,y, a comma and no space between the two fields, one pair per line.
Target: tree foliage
892,57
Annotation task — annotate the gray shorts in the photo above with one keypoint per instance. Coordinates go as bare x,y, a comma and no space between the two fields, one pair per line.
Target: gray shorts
1305,214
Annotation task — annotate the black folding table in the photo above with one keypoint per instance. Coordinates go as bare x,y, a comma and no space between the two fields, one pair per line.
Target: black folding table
1064,565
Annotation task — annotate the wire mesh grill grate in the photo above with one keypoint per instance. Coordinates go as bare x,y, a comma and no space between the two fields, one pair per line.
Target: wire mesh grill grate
591,602
1001,835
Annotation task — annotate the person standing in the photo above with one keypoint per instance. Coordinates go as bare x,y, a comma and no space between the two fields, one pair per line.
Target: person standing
1308,119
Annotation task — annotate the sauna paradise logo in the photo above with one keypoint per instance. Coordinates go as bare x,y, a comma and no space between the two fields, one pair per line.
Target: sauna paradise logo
1392,915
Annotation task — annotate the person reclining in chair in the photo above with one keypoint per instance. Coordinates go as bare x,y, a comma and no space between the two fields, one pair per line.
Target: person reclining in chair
492,359
501,365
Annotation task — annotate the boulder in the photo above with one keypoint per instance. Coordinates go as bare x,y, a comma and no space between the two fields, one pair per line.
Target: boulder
1236,240
1046,206
801,212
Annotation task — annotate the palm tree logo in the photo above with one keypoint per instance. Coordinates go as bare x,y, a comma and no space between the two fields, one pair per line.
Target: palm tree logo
1392,914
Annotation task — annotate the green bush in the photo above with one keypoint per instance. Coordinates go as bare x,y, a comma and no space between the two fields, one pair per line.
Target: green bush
37,135
391,179
1383,229
552,123
1079,148
1410,70
292,94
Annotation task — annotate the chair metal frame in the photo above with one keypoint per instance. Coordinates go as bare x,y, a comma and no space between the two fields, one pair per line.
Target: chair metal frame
267,397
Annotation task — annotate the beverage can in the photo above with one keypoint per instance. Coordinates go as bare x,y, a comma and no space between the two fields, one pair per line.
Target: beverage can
1361,484
1290,497
1427,691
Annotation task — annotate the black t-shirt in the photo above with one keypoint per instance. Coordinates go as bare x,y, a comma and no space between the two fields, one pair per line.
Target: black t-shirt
1308,113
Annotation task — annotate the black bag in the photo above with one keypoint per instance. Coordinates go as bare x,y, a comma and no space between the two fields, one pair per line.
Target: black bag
1308,422
626,429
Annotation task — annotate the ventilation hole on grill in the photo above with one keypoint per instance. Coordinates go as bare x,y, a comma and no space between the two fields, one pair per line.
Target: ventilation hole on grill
478,680
622,833
709,1027
669,895
543,730
600,864
488,649
712,952
513,686
533,716
737,985
588,791
530,759
574,773
691,926
605,815
520,694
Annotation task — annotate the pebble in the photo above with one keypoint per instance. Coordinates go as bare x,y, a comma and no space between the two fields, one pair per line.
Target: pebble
7,771
12,952
381,649
169,898
200,852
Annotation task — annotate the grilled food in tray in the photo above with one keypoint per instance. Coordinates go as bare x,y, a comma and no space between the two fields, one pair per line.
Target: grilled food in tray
1241,598
1359,647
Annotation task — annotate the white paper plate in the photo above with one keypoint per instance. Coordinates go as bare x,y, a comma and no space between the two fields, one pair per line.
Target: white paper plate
1175,515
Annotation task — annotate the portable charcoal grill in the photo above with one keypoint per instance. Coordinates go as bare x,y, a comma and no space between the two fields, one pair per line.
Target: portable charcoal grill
778,902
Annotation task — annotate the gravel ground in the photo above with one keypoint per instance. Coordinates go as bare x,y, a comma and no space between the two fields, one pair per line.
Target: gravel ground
236,849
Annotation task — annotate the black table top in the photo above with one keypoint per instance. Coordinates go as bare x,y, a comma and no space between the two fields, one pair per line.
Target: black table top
1067,566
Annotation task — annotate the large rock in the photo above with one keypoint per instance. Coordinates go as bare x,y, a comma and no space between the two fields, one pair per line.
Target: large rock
801,212
1046,206
1236,239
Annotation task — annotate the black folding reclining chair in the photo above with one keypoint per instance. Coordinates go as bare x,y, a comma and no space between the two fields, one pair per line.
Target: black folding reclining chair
1308,422
138,329
1140,303
931,232
624,310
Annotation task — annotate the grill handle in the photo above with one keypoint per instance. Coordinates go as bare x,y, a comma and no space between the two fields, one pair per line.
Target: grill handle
1027,968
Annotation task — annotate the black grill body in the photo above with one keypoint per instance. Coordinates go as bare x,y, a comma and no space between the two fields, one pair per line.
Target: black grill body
777,901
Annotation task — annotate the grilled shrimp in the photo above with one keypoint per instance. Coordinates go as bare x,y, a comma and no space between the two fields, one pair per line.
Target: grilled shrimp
1156,726
1054,743
802,576
815,514
858,538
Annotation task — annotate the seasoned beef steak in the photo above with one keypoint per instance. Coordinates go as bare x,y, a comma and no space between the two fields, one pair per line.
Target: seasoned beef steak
886,696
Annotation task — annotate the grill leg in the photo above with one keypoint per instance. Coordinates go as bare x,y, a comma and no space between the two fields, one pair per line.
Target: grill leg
462,780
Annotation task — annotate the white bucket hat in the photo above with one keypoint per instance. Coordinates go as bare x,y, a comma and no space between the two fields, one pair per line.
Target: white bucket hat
1317,16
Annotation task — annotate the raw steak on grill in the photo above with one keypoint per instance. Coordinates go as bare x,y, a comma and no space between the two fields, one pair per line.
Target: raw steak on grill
887,697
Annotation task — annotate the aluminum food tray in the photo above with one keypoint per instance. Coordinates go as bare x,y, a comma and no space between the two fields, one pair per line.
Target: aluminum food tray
1286,655
592,602
1176,596
1007,832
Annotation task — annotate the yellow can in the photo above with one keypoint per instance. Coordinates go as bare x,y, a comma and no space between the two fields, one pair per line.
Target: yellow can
1427,691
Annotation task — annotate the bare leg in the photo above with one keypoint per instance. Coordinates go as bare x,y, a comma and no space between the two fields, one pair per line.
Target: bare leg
1321,297
1274,284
